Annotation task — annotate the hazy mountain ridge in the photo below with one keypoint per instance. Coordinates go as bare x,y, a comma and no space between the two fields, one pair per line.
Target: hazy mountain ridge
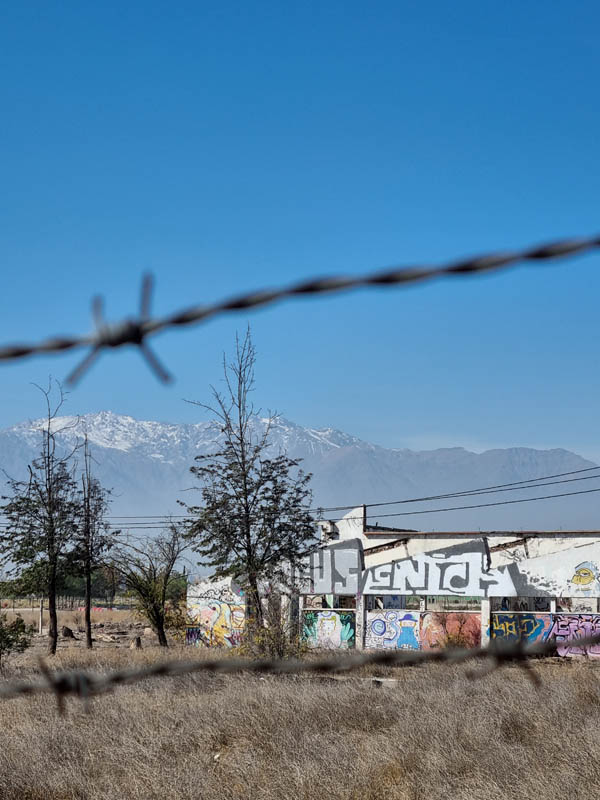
147,464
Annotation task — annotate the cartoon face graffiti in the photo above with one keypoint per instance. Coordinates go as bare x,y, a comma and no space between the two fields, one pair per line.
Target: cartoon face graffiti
328,630
392,629
585,579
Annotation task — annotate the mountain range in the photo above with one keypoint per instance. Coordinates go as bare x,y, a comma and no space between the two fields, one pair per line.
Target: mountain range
147,464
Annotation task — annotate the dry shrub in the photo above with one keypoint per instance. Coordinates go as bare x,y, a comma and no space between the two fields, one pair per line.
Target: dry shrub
435,735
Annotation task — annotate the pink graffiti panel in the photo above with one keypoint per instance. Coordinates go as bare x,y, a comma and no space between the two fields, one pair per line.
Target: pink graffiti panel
576,626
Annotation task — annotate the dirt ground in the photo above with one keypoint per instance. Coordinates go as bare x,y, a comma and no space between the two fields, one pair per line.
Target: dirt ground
111,629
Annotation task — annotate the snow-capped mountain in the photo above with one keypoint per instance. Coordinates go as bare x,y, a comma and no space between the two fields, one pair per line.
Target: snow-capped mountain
147,465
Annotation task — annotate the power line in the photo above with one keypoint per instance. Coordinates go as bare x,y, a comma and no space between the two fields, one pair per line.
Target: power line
158,521
136,330
459,493
464,492
479,505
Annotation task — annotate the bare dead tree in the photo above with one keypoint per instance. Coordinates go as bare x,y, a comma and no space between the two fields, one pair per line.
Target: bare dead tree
94,538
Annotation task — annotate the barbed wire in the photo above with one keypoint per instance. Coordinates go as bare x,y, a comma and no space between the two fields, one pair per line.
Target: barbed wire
136,330
85,685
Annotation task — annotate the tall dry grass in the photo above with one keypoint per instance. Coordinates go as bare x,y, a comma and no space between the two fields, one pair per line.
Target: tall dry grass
436,735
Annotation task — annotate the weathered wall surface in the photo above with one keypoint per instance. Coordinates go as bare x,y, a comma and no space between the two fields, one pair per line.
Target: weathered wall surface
329,629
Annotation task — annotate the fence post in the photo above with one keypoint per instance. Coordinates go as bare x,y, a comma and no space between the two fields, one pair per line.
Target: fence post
41,620
485,622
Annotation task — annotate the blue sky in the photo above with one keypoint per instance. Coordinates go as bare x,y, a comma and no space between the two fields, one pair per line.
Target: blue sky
233,146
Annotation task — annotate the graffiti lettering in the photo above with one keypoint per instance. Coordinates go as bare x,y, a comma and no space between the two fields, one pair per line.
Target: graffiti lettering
455,571
336,569
576,626
511,627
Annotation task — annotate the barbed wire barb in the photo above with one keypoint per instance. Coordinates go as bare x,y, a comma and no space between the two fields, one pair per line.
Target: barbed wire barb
136,330
129,331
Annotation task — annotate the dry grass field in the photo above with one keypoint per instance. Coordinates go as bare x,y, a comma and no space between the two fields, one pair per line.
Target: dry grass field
435,735
73,619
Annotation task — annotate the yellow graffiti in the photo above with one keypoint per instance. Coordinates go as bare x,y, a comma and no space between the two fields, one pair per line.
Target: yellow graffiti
505,628
583,576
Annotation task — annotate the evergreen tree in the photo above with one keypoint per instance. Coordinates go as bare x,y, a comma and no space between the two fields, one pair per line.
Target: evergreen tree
42,513
254,523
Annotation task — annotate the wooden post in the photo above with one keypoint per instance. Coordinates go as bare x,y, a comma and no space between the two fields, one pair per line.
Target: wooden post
41,620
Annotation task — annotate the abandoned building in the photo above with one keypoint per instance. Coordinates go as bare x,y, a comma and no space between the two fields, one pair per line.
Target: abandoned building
376,587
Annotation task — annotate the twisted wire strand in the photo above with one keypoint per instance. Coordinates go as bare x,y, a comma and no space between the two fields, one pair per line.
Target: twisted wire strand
136,330
85,684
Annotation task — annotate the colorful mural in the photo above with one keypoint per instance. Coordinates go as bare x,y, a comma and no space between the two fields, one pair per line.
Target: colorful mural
451,628
576,626
217,613
392,629
511,627
329,629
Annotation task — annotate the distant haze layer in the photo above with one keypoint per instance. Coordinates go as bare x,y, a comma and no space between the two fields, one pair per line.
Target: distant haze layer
147,464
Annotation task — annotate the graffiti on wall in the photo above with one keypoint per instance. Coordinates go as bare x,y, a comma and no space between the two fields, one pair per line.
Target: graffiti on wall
461,571
329,629
217,614
451,628
392,629
511,627
584,581
576,626
315,601
533,604
336,569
